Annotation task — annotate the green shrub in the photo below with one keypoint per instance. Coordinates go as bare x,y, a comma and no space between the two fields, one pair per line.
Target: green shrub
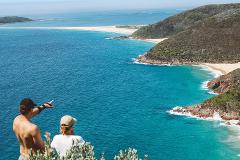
80,152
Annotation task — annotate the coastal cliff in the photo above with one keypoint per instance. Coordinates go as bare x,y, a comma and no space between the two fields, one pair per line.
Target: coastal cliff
13,19
209,34
226,104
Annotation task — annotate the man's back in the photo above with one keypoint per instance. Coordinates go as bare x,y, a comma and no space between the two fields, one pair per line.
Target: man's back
26,133
62,143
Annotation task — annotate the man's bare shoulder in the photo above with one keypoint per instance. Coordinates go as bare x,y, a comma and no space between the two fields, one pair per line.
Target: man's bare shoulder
16,119
22,123
34,129
21,120
17,122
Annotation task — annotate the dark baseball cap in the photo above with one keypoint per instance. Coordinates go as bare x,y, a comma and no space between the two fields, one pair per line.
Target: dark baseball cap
26,105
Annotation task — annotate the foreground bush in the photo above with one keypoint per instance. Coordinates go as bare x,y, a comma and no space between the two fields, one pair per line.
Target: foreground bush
81,152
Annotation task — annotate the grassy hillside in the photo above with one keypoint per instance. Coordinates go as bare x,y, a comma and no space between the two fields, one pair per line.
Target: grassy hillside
13,19
182,21
215,39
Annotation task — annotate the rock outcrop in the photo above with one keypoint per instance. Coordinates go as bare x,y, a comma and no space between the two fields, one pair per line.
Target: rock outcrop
225,82
226,105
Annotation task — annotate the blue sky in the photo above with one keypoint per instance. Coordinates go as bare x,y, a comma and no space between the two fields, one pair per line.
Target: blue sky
10,7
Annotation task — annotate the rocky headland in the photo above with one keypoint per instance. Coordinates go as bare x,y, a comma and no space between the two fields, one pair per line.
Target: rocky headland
204,35
226,105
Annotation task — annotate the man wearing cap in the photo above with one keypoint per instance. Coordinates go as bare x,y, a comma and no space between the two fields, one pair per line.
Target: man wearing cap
63,142
27,133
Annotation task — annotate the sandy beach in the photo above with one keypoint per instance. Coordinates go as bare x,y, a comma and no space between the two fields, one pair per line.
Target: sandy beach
223,68
152,40
113,29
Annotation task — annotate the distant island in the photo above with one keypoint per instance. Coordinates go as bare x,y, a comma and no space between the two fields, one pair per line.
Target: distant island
13,19
207,34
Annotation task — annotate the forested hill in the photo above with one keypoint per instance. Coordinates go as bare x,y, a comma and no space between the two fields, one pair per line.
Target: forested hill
182,21
215,39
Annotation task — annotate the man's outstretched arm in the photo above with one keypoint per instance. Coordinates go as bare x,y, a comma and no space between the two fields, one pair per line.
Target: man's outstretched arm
37,110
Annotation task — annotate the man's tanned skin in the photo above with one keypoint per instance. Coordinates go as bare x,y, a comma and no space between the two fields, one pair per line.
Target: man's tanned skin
27,133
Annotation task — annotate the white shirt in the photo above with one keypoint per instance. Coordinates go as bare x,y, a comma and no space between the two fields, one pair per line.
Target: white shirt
63,143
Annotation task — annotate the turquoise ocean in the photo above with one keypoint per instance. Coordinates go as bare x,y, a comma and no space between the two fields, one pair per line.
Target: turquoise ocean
118,103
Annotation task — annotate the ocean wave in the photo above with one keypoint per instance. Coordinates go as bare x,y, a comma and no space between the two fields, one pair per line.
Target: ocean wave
205,88
136,61
214,72
216,116
204,85
212,92
231,124
109,38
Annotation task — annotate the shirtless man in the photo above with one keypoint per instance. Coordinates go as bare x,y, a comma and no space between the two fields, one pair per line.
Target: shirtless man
27,133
